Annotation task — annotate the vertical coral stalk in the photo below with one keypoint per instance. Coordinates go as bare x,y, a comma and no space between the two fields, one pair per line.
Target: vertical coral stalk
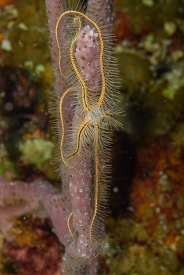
85,86
102,10
54,9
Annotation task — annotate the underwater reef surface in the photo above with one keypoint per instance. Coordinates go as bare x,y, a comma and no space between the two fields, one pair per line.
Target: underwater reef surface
146,222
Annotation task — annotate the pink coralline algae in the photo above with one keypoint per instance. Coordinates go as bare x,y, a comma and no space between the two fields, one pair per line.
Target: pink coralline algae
43,258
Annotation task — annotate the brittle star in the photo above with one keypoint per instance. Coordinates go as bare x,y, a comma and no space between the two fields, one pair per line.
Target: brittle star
94,116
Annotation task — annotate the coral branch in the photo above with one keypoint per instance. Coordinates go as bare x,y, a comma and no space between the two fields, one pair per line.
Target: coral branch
103,10
18,198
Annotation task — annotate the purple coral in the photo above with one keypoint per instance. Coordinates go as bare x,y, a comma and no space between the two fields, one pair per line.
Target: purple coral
89,64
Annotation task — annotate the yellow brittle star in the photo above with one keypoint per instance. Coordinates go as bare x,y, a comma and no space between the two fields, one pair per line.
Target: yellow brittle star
95,115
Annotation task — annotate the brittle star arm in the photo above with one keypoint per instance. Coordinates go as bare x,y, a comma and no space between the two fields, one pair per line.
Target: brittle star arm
96,178
102,94
84,89
79,134
68,224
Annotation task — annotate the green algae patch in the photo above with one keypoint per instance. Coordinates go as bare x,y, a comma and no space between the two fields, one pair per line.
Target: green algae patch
8,168
38,152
